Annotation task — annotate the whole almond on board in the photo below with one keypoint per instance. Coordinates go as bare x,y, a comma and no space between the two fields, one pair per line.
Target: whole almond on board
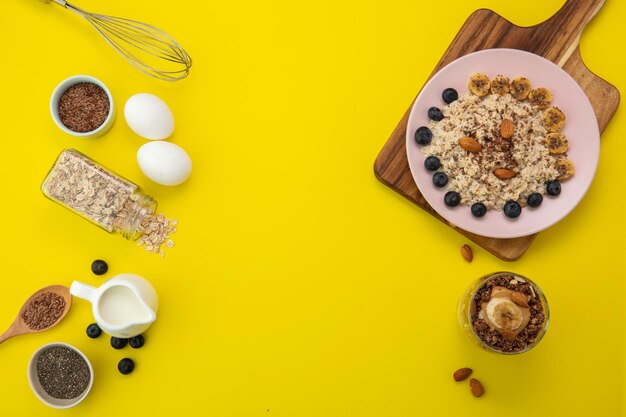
470,144
507,129
467,254
519,299
476,387
461,374
504,174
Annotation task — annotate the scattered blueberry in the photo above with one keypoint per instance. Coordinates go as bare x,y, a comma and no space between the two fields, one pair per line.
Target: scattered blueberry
479,209
94,331
512,209
452,199
118,343
423,136
534,200
126,366
435,114
99,267
136,342
440,179
449,95
432,163
554,188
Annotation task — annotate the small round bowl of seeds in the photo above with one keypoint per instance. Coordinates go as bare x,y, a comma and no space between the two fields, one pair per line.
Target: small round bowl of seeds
60,375
82,106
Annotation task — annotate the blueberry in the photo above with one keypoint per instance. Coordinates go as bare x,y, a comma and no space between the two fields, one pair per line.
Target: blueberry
554,188
118,343
449,95
423,136
479,209
435,114
126,366
94,331
440,179
512,209
99,267
452,199
534,200
432,163
136,342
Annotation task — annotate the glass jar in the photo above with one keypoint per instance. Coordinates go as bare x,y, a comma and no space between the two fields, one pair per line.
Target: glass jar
475,327
97,194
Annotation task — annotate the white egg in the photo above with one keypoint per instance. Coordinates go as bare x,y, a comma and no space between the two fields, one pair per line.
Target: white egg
164,163
149,117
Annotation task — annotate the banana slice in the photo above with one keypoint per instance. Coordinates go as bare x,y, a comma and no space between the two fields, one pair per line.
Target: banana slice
504,314
556,143
553,119
500,85
540,97
565,167
520,88
479,84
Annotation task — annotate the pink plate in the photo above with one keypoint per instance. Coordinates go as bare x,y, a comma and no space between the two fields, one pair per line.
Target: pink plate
581,129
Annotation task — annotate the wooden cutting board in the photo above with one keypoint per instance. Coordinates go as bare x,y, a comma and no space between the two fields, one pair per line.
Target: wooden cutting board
556,39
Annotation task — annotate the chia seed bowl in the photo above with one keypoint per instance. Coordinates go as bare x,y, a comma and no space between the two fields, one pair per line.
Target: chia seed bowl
82,106
60,375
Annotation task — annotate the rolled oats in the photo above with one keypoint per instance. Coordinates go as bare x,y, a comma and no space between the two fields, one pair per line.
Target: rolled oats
108,200
472,174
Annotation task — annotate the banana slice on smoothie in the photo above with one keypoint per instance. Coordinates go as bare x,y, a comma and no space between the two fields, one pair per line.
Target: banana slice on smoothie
479,84
502,314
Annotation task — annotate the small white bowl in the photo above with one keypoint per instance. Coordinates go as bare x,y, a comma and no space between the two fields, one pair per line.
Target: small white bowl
67,83
46,398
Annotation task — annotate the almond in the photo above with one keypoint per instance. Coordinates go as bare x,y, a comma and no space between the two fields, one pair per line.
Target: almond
519,299
470,144
507,129
504,174
461,374
467,254
476,387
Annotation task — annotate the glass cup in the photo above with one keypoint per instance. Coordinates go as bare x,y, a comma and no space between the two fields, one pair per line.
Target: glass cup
469,314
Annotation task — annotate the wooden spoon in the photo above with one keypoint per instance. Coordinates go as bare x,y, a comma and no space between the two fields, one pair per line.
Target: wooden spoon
19,326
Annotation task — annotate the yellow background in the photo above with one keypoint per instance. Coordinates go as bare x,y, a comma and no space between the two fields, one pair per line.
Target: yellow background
299,285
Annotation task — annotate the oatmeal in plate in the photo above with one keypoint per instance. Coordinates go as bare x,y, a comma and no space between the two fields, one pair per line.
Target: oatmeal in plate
572,141
496,147
471,174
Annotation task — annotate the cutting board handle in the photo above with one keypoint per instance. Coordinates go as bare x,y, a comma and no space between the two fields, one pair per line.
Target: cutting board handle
578,12
567,23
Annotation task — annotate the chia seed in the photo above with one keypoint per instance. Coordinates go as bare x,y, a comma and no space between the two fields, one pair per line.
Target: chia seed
62,372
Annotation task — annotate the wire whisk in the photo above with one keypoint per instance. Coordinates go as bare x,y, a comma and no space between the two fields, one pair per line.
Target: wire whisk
146,47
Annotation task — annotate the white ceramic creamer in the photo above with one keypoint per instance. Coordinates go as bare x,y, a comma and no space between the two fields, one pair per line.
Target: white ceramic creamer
124,306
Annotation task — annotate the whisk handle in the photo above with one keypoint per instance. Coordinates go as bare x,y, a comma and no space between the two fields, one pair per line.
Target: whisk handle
61,2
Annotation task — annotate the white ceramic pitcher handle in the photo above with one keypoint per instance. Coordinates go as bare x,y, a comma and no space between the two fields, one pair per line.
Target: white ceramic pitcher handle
84,291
